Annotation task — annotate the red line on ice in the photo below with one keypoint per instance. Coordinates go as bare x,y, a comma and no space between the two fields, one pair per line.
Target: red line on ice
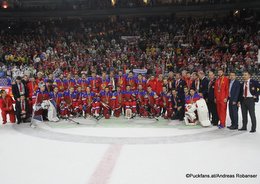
105,167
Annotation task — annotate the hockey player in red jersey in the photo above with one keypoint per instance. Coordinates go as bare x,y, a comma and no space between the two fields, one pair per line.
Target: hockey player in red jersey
88,101
140,100
105,101
117,102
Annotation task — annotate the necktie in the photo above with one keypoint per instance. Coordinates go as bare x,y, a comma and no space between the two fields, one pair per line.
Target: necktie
210,83
245,92
21,88
23,106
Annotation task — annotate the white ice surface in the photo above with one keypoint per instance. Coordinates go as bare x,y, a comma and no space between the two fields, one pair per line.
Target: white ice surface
25,159
28,160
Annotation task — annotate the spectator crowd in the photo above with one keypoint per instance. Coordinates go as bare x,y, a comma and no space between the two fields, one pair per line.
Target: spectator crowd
158,44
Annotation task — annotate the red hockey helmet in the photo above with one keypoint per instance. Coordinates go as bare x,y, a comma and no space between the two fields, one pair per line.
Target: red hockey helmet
145,113
107,116
117,114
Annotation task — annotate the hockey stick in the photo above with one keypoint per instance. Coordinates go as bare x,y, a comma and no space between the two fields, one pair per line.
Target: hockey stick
106,105
149,113
98,117
101,114
85,116
33,125
71,120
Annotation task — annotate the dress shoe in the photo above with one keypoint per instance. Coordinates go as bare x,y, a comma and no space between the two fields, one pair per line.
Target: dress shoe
252,131
242,129
230,126
233,128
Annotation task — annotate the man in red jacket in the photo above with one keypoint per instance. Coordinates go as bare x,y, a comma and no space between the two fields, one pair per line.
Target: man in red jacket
152,83
6,106
159,84
221,90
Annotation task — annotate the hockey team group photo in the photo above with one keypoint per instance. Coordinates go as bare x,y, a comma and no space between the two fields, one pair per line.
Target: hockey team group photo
192,98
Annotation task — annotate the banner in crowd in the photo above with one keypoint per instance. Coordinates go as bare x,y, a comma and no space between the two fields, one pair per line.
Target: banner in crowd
5,83
130,38
140,71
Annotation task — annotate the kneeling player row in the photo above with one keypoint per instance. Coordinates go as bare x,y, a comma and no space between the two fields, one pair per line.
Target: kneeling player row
145,103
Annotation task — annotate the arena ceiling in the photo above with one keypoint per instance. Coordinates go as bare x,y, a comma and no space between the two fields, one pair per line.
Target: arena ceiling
125,3
30,9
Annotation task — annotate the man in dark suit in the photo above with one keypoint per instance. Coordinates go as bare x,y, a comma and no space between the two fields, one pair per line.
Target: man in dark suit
234,91
18,88
177,105
178,85
195,81
249,94
204,82
22,110
211,99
